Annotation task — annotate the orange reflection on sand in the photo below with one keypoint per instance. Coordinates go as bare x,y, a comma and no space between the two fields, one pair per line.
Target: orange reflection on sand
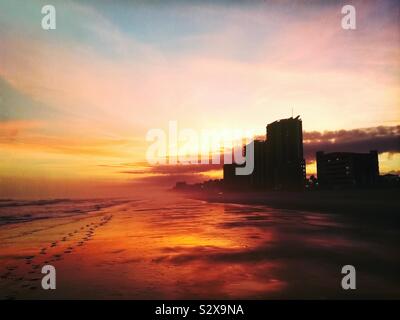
172,248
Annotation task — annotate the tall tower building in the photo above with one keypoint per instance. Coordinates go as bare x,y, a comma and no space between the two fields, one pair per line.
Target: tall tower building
285,161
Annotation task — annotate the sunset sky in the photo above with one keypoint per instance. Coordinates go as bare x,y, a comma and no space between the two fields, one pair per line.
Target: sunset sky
76,102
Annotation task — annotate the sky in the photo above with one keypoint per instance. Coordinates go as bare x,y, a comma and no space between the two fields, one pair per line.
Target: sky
76,102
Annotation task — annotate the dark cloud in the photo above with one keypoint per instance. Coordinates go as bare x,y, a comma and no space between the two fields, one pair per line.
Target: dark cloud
168,180
382,139
167,175
183,169
355,134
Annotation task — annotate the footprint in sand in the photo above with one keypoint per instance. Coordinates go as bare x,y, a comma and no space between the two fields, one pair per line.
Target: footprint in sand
5,275
33,279
11,268
69,250
57,257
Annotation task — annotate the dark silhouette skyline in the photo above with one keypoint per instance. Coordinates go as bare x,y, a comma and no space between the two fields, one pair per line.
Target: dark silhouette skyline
279,164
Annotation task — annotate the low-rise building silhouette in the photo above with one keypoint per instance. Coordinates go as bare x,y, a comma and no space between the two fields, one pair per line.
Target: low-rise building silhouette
347,169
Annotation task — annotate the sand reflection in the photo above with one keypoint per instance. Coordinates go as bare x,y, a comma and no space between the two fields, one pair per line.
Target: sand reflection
181,248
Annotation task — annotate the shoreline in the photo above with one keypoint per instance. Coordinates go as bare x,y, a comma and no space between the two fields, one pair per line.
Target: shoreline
370,204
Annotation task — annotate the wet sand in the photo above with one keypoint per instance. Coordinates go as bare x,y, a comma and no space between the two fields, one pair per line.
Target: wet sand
172,247
352,202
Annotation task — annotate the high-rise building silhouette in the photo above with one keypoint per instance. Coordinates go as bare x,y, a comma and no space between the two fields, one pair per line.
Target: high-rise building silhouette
285,161
278,161
258,179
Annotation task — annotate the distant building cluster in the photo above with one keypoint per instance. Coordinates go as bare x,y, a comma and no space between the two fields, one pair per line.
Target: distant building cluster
279,165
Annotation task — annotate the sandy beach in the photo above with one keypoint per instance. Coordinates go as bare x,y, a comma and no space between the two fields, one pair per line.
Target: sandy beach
181,248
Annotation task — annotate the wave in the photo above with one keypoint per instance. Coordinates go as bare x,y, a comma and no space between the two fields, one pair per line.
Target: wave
19,211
